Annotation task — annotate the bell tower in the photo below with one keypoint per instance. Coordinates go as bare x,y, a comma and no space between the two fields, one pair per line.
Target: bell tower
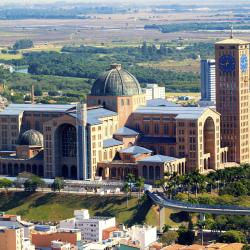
232,96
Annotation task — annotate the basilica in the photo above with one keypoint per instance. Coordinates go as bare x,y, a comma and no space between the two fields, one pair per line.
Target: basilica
117,132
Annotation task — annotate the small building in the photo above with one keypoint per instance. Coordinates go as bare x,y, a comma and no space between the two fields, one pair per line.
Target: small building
140,162
153,91
144,235
12,238
44,239
91,227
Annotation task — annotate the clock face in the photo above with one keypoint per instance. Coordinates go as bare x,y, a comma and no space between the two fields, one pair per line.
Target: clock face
227,63
244,63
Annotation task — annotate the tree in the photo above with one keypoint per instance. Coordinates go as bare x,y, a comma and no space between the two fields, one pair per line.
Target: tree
58,184
246,247
169,238
23,44
140,184
166,228
130,180
38,91
126,190
186,237
31,184
233,236
5,183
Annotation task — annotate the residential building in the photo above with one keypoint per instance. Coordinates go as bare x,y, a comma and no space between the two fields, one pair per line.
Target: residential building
91,227
145,235
12,238
153,91
44,239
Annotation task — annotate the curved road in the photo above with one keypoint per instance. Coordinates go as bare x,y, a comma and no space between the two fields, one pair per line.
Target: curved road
162,201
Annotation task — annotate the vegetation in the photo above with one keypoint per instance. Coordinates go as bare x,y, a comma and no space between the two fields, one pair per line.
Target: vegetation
5,183
185,236
32,183
169,238
233,236
58,184
57,206
23,44
197,26
229,186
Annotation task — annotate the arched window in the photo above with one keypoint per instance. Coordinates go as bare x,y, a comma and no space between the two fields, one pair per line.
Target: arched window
22,168
73,172
145,172
113,172
16,169
65,172
4,169
69,141
10,170
151,173
157,173
34,169
40,170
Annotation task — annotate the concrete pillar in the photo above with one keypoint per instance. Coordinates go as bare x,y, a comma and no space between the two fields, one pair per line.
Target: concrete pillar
161,218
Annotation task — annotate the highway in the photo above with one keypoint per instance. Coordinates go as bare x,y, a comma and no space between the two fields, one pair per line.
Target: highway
162,201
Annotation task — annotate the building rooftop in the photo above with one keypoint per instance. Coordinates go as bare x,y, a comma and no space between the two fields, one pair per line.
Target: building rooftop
232,41
180,112
31,138
135,150
38,107
111,143
116,82
161,102
126,131
159,159
94,115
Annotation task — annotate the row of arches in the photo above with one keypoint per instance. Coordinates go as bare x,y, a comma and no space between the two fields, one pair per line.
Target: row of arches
14,169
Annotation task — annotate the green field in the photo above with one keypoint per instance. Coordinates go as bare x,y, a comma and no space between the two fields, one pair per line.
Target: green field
44,207
10,56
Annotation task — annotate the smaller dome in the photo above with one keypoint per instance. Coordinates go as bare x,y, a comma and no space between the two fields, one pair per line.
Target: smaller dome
31,138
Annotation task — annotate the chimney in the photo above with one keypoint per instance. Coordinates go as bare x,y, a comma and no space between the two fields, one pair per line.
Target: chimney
32,94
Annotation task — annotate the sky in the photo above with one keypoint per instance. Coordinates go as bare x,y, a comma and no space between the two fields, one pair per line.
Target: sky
202,2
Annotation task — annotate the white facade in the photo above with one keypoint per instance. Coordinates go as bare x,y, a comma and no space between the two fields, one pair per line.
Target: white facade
145,235
60,245
26,244
91,228
208,92
153,91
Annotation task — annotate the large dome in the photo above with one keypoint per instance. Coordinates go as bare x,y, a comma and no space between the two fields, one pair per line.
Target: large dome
31,138
116,82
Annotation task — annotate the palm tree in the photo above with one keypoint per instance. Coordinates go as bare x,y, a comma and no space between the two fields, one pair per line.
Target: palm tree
140,184
187,183
131,180
126,189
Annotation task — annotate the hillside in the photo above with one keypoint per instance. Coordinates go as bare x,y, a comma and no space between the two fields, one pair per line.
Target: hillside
45,207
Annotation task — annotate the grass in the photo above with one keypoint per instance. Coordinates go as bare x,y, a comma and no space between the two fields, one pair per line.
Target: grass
44,47
187,65
10,56
44,207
